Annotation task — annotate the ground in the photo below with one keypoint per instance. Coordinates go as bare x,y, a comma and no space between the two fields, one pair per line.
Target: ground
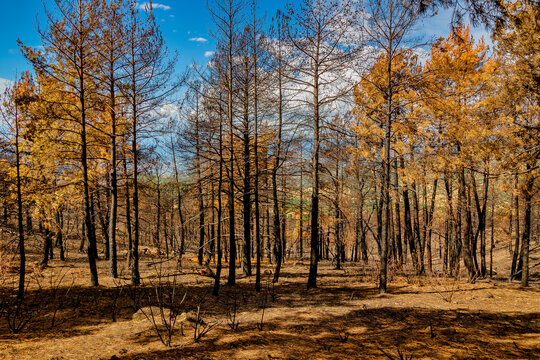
431,317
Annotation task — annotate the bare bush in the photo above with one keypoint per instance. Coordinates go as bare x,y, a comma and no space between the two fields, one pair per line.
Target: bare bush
59,296
164,305
201,327
399,356
19,313
232,310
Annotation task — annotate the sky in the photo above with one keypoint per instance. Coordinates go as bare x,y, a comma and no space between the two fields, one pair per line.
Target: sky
185,25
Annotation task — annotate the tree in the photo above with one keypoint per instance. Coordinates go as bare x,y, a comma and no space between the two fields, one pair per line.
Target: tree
110,51
517,89
458,69
148,73
388,27
68,58
319,33
227,17
15,112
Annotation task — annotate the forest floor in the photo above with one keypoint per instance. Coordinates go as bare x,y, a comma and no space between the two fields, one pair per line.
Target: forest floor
431,317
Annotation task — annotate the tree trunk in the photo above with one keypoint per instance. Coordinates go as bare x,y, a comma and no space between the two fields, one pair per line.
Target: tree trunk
215,290
90,233
312,278
517,228
135,276
464,209
59,234
180,213
128,216
301,222
157,239
430,226
528,192
113,208
20,227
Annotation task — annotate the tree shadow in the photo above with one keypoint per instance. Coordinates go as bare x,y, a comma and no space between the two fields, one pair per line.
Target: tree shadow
363,333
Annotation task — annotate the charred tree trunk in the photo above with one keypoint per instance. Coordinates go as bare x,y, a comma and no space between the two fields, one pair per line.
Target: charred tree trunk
20,227
128,216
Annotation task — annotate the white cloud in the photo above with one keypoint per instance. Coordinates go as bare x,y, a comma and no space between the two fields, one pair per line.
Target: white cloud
198,39
208,53
168,111
146,5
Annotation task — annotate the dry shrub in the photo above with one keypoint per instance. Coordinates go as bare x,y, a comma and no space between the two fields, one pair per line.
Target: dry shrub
165,302
449,286
394,269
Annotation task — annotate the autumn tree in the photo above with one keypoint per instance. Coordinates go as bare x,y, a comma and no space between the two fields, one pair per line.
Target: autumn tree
68,57
458,69
388,25
517,89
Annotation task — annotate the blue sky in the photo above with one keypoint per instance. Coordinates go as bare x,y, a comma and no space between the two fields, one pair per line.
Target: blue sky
185,26
182,23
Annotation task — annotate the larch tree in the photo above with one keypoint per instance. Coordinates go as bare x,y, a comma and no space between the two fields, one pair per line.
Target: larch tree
517,90
69,58
457,82
388,26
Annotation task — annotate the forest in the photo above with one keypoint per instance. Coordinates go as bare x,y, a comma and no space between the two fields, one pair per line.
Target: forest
334,183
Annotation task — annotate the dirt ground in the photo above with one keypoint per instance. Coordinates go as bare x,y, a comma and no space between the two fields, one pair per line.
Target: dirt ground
344,318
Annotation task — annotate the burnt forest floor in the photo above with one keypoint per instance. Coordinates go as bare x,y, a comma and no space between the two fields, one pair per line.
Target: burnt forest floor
427,317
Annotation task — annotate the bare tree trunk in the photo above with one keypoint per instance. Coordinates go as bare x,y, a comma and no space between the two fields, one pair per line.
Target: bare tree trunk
47,245
180,213
246,196
408,233
255,52
217,278
20,227
312,279
59,233
430,225
301,222
399,248
128,216
232,238
157,238
283,217
337,214
416,229
464,206
90,233
517,228
134,265
199,185
492,245
113,211
528,192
